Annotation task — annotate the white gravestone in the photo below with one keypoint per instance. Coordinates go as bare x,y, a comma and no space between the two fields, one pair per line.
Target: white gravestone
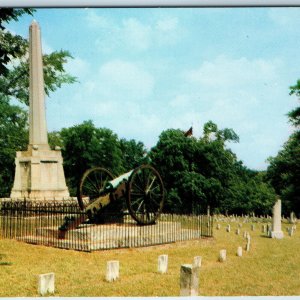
276,232
197,261
222,255
293,218
112,270
291,231
189,280
162,263
237,231
248,242
228,228
239,251
46,283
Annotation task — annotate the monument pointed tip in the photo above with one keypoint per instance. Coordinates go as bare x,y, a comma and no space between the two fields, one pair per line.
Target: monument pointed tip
34,22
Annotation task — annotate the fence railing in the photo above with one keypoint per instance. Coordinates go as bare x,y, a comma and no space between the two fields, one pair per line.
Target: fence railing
38,223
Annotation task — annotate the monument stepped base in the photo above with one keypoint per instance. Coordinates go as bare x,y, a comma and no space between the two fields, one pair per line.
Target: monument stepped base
100,237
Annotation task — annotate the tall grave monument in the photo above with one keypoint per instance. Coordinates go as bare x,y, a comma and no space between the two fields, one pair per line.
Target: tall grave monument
276,232
39,171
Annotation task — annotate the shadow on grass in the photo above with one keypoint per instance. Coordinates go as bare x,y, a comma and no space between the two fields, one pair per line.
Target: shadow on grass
5,263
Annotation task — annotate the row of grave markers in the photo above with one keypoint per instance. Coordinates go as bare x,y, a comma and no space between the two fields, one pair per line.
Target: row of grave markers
189,273
189,276
265,228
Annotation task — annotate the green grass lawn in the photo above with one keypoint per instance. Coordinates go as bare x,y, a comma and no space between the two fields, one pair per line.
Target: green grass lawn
271,267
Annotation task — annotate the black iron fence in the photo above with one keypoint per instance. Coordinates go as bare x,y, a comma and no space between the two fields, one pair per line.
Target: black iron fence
38,222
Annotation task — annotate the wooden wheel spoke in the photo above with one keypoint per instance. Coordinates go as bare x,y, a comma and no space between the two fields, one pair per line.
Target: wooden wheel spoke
137,200
139,188
91,183
145,195
137,194
89,188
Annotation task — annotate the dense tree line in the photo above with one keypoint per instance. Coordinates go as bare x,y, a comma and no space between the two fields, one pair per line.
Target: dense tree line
202,172
284,169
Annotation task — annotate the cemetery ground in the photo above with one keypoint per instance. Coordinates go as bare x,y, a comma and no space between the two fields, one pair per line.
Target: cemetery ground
271,267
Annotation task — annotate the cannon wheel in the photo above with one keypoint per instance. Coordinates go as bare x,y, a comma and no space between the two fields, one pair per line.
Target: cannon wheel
91,185
145,195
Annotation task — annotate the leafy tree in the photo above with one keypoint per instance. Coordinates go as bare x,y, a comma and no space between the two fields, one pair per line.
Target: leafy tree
86,146
294,115
133,154
14,85
284,174
284,169
202,172
13,137
14,65
195,171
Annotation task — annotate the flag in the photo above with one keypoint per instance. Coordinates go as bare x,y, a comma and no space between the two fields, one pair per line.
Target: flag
189,132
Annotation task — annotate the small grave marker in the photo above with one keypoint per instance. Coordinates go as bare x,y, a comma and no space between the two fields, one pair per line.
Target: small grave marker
46,284
222,255
197,261
239,251
189,280
228,228
248,242
112,270
163,263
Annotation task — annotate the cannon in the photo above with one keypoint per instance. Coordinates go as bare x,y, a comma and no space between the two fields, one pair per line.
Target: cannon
141,187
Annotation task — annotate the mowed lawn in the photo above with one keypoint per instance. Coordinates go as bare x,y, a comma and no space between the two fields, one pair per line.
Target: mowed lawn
271,267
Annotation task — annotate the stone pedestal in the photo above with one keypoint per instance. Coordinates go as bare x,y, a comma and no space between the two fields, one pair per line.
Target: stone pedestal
39,174
276,232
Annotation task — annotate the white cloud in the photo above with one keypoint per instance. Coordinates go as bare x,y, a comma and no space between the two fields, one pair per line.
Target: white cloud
46,48
180,101
78,67
133,34
228,72
125,79
136,34
94,20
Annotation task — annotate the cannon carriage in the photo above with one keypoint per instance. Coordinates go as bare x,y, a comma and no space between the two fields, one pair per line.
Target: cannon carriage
141,187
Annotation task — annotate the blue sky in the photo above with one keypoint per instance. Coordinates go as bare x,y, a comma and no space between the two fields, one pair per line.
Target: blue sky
142,71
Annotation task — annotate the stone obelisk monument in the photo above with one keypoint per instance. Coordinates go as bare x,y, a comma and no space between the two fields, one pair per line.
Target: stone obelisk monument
39,170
